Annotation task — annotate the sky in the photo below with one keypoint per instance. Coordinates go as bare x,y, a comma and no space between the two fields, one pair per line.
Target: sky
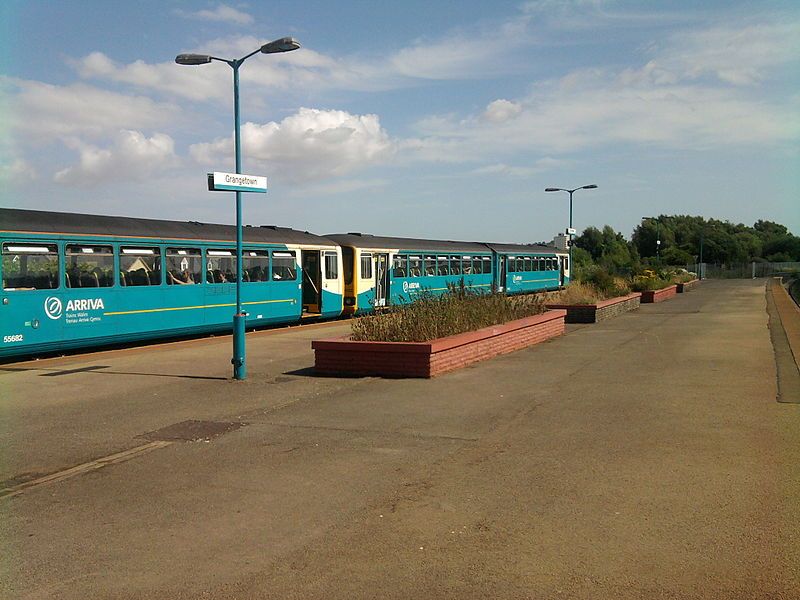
435,119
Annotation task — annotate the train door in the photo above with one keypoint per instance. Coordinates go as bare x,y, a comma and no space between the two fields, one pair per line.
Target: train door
381,279
501,274
561,271
312,296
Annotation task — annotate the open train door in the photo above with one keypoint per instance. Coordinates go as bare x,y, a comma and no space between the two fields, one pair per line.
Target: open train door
501,274
561,272
312,276
381,279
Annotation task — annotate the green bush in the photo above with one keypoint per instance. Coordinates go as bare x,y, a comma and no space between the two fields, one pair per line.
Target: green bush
607,284
430,317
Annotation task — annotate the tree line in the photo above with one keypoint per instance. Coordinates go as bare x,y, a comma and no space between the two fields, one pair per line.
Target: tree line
682,238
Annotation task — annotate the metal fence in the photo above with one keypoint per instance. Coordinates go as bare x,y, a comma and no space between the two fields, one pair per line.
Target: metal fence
749,270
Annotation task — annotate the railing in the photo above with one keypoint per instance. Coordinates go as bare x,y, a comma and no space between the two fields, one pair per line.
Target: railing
749,270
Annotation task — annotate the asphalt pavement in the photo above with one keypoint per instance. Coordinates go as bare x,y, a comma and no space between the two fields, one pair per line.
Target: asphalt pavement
641,457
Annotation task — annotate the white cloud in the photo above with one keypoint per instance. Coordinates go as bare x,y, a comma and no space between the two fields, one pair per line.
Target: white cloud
666,102
312,144
486,50
194,83
501,110
43,112
132,157
338,186
17,172
734,54
589,109
222,13
540,166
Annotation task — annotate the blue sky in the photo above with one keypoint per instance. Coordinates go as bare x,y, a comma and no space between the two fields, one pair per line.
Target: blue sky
431,119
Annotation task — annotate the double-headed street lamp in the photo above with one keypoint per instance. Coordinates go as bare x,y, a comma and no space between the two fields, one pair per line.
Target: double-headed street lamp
570,192
286,44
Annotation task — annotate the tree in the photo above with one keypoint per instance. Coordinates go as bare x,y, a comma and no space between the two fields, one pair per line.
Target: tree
675,256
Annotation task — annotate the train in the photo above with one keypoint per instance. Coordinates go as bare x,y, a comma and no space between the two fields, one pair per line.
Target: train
74,281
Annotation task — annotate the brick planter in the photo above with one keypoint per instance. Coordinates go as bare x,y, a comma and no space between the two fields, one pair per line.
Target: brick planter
650,296
592,313
343,356
689,285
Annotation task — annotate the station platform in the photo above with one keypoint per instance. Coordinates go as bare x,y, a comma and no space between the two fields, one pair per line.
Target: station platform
643,456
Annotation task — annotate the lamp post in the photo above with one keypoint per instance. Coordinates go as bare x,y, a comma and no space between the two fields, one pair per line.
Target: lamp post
570,192
286,44
658,239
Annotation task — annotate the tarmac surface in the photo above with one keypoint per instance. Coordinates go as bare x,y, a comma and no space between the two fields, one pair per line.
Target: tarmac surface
641,457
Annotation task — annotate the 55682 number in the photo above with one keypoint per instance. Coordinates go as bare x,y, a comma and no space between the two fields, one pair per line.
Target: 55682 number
8,339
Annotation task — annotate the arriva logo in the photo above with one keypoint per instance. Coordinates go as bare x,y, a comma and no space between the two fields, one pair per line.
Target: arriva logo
53,307
87,304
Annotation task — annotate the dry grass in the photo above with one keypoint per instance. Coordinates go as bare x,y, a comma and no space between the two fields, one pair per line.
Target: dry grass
577,293
430,317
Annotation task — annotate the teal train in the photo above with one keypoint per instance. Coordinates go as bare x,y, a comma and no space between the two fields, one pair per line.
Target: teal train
382,271
82,281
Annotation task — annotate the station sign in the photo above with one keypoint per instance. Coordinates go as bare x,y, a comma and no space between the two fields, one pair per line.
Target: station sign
571,231
236,182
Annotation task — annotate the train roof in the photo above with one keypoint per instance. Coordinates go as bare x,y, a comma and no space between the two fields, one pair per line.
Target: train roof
38,221
364,240
522,248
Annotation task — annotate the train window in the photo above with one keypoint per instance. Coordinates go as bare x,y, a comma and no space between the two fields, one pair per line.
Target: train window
220,266
467,268
255,266
414,266
184,266
89,266
139,266
331,266
284,266
366,265
455,265
487,264
521,264
430,265
477,265
528,264
566,263
399,265
538,265
30,266
550,264
442,265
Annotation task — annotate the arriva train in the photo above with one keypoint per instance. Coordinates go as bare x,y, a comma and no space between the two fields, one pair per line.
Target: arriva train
75,281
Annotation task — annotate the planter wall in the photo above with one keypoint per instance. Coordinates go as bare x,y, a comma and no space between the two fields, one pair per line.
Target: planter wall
343,356
650,296
685,287
592,313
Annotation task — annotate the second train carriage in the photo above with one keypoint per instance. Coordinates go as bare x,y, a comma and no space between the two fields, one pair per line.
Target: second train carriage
75,280
381,271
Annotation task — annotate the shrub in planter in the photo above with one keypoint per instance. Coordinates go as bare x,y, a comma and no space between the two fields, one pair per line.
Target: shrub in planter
605,283
431,317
